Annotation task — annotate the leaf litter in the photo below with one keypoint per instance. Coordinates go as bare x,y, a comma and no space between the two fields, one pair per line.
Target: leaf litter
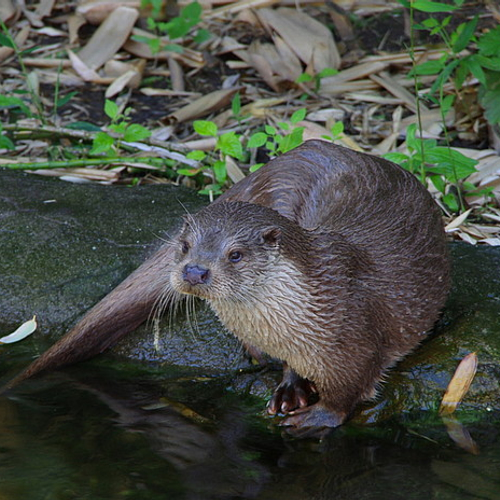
257,48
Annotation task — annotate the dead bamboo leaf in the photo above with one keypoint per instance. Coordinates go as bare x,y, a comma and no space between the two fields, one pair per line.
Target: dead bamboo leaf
44,8
233,170
87,74
20,40
312,41
459,384
96,11
109,37
7,11
330,84
279,70
75,22
457,222
234,7
390,84
203,106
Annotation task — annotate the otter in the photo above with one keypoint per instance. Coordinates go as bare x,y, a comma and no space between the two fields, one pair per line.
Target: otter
327,259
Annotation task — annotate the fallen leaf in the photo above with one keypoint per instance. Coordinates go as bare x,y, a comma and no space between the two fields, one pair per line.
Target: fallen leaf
459,384
21,333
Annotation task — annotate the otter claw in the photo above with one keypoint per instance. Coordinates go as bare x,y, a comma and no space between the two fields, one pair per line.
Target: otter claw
291,395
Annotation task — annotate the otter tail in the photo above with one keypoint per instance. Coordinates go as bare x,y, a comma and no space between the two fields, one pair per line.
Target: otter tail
117,314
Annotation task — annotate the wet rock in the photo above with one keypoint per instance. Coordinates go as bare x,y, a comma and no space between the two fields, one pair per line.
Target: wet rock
64,246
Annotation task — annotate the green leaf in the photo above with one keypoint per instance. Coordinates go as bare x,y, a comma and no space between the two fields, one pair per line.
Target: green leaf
450,163
196,155
6,41
489,43
292,140
304,77
327,72
189,172
136,132
270,130
6,143
451,200
466,33
220,171
428,6
429,67
204,127
298,115
236,104
255,167
65,99
14,102
337,129
476,70
111,109
102,143
201,36
257,140
229,143
89,127
438,182
491,103
396,157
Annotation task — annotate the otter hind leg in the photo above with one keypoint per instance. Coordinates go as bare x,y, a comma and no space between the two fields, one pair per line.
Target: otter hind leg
294,392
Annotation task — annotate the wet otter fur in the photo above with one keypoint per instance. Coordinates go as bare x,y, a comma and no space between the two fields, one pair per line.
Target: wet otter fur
330,260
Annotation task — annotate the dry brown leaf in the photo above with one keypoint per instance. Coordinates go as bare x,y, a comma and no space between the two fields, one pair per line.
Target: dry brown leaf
459,384
203,106
20,40
390,84
330,84
312,41
234,7
7,10
86,73
44,8
455,223
96,11
233,170
109,37
277,70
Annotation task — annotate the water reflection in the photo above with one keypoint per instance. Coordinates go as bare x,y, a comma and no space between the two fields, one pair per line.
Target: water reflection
73,436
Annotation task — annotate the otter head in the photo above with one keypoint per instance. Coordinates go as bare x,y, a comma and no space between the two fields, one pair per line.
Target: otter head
226,251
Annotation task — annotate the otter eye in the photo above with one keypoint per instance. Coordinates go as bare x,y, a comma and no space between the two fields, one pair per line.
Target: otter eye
184,247
235,256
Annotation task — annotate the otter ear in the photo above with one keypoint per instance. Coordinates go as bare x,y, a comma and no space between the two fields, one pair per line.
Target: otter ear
271,236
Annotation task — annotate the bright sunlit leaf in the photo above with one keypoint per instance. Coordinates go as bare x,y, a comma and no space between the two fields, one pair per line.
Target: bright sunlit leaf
21,333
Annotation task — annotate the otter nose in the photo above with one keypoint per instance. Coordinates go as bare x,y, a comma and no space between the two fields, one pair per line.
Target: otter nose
195,275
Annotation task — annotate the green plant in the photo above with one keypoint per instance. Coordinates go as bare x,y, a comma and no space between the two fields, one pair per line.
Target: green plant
105,143
274,141
227,144
441,165
481,60
177,28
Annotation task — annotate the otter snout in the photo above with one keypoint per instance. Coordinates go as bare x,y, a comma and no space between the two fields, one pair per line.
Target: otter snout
195,275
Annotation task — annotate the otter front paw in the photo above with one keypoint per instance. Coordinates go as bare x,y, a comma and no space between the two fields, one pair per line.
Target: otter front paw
293,393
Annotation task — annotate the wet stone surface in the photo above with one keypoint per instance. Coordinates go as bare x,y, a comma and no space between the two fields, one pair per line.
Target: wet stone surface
64,246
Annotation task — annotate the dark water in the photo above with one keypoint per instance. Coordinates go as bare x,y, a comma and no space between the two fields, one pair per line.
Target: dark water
95,433
110,429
